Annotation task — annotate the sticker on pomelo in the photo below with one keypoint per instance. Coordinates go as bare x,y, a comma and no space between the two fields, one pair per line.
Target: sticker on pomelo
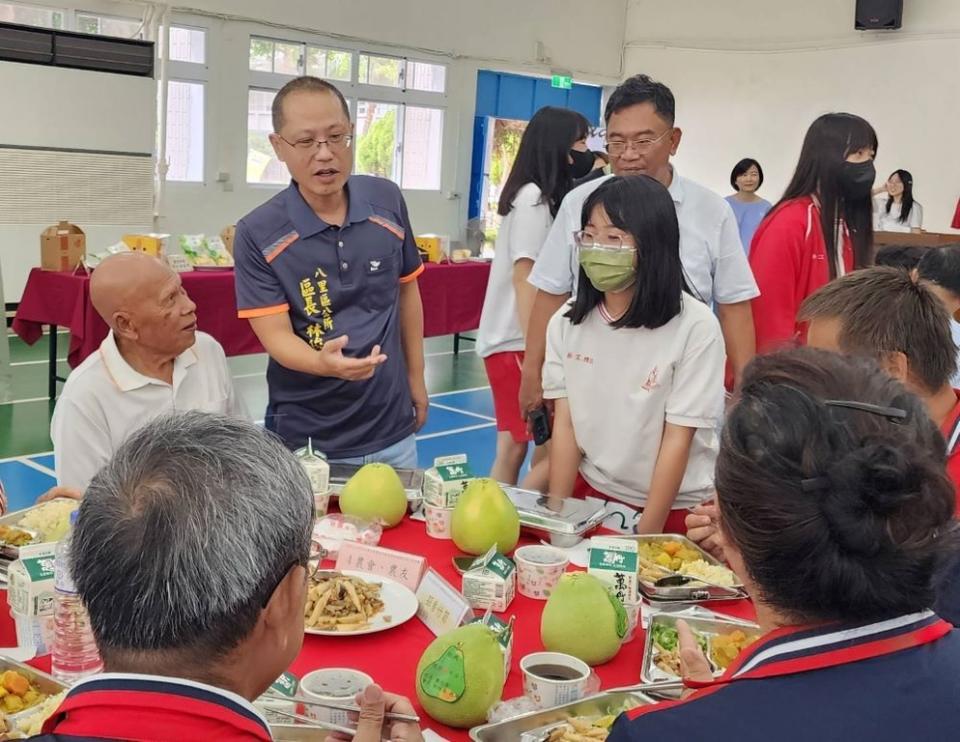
445,679
620,615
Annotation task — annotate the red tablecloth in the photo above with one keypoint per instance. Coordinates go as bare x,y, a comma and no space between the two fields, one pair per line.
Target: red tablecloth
392,656
452,296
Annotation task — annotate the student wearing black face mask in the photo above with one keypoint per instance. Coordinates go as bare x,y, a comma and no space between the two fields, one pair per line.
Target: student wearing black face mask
552,154
821,228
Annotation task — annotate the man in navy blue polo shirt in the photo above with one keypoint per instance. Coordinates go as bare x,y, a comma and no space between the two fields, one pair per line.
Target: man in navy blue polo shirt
326,273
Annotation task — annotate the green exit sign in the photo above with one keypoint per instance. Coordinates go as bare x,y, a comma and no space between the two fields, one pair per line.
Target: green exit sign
564,82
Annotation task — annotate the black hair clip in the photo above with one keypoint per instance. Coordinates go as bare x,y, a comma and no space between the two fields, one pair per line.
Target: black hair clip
893,414
815,484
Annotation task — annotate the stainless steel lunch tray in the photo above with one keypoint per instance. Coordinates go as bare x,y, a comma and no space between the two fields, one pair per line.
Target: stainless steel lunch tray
412,480
45,683
565,528
536,726
11,553
685,593
654,676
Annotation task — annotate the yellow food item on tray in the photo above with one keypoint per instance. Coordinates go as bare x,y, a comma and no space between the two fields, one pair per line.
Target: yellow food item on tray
17,693
14,536
668,554
582,729
33,723
51,520
710,572
340,603
725,648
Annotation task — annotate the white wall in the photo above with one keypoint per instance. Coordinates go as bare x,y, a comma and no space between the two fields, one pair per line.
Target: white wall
465,35
751,75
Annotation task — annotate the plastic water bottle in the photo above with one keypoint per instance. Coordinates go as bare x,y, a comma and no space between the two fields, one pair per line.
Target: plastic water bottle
75,654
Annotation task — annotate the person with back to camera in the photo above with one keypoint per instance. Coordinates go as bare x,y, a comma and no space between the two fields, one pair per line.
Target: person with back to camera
835,512
821,228
746,179
553,151
894,209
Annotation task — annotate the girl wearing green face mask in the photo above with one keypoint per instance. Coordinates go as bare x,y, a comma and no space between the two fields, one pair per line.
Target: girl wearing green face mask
635,364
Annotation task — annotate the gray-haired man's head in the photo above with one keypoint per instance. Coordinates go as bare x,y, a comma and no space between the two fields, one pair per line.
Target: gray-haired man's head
190,548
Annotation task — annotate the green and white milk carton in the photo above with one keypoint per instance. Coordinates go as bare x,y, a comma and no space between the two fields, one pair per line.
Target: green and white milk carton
614,562
504,632
30,592
446,481
286,685
491,582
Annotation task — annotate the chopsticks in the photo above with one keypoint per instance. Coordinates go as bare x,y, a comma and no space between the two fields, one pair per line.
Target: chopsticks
349,708
307,721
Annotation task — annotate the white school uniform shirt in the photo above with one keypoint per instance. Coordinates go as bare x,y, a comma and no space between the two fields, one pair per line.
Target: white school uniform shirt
105,400
623,384
522,233
714,262
884,222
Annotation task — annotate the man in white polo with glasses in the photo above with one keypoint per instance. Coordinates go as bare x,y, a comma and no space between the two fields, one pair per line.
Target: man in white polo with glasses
641,138
326,273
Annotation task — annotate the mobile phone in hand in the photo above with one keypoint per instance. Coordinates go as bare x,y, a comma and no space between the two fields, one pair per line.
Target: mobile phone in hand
540,425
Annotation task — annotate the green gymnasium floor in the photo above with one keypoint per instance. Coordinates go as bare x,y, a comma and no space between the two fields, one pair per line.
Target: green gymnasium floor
461,416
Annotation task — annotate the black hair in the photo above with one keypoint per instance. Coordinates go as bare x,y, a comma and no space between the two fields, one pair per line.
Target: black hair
906,203
306,83
542,157
899,256
840,514
641,89
741,167
642,207
941,265
828,142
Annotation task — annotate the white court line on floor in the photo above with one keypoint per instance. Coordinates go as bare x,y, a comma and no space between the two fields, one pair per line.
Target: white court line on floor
460,391
31,399
39,467
36,363
467,429
463,412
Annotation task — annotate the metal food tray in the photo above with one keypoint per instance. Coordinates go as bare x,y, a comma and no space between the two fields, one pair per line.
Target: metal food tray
45,683
11,553
685,593
536,726
412,480
565,528
653,675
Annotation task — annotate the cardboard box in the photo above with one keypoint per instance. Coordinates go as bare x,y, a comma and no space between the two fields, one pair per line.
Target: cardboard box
227,236
491,582
434,246
62,247
446,481
31,581
151,244
614,562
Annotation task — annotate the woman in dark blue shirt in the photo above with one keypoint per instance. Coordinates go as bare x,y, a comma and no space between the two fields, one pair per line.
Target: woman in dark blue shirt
835,511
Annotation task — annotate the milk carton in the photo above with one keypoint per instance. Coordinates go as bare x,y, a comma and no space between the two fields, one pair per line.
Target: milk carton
614,562
30,578
504,633
446,481
491,582
286,685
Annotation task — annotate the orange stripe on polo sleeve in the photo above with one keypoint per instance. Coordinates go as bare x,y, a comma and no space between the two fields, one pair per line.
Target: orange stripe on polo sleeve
413,276
263,311
281,246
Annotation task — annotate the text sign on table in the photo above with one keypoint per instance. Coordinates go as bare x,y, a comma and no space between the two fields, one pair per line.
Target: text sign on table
394,565
442,607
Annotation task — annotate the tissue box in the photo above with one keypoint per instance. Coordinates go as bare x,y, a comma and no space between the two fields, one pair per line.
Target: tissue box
446,481
434,246
62,247
151,244
491,582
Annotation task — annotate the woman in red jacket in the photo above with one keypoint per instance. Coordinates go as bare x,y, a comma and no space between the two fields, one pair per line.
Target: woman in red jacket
821,228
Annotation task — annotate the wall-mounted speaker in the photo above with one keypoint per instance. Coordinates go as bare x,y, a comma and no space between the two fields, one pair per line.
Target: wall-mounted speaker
879,15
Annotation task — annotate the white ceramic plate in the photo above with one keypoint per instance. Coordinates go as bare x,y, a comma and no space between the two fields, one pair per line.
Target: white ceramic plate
399,605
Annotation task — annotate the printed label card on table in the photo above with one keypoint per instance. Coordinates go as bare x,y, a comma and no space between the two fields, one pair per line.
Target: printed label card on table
407,569
442,607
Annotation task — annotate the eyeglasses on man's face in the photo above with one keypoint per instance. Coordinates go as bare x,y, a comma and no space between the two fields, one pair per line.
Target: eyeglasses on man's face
334,142
618,147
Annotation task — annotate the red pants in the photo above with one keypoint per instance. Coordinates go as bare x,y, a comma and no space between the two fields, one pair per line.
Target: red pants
675,521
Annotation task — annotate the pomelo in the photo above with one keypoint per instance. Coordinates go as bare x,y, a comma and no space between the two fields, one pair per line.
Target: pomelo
461,675
583,618
484,516
375,493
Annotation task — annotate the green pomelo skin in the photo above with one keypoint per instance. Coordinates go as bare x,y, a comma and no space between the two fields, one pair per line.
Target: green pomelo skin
583,619
483,672
485,516
375,493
